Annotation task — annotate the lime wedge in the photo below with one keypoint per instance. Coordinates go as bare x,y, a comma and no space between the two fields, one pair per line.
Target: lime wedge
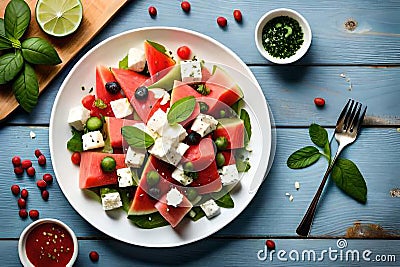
59,17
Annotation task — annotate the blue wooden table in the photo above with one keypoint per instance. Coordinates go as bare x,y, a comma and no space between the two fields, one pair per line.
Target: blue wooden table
362,64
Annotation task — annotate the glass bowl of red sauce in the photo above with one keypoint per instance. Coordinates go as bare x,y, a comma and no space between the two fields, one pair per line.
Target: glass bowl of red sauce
47,242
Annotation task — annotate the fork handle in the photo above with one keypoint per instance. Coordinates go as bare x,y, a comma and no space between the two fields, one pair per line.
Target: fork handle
305,225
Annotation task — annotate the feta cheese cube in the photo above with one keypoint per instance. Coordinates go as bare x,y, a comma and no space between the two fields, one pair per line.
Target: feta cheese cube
229,175
161,93
175,133
121,108
210,208
168,151
181,148
204,124
92,140
77,117
174,197
136,60
179,175
158,121
111,201
134,157
191,71
124,177
160,148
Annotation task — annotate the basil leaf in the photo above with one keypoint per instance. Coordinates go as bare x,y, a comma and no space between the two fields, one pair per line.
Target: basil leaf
123,63
318,135
16,18
199,213
348,178
26,88
10,66
75,144
2,29
5,43
181,110
36,50
157,46
303,157
136,137
247,125
148,221
225,201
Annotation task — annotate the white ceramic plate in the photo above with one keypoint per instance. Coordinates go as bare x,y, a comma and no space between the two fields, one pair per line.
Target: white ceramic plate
115,223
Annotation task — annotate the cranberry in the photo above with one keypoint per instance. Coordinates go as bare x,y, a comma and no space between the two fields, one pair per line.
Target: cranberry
152,11
221,21
34,214
15,189
41,184
38,153
45,195
24,193
185,5
88,101
16,161
237,14
48,178
270,244
319,102
94,256
76,158
42,160
23,213
31,171
184,52
21,203
18,170
26,164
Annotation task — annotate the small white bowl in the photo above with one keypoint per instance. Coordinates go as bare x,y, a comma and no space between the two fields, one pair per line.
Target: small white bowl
23,237
277,13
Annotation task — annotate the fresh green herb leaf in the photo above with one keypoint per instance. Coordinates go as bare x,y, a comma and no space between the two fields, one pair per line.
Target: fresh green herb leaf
327,151
10,65
247,125
99,103
2,29
202,89
16,18
303,157
106,190
347,177
238,106
199,213
157,46
148,221
26,88
318,135
225,201
36,50
75,144
242,165
181,110
5,43
136,137
126,200
123,63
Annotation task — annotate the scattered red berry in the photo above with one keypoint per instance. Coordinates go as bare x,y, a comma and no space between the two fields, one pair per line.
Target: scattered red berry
184,52
221,21
237,14
152,11
185,5
26,164
18,170
94,256
38,153
270,244
21,203
16,161
42,160
76,158
48,178
319,102
88,101
24,193
23,213
15,189
31,171
34,214
41,184
45,195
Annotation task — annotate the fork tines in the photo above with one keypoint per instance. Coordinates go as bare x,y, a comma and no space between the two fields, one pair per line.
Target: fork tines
350,118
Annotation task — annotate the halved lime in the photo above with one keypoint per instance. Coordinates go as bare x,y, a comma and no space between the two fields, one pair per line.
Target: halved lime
59,17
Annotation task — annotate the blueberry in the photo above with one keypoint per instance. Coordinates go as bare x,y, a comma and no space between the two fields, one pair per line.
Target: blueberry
193,138
141,93
113,87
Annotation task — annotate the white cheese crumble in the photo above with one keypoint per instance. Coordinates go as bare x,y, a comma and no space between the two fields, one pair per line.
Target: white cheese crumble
121,108
229,175
135,157
124,177
158,121
136,60
297,185
174,197
77,117
161,93
191,71
32,134
179,175
204,124
92,140
210,208
111,201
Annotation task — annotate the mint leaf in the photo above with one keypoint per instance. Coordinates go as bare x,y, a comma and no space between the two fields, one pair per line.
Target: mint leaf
181,110
247,125
225,201
318,135
148,221
10,66
5,43
136,137
303,157
26,88
17,17
2,29
75,144
123,63
36,50
199,213
157,46
348,178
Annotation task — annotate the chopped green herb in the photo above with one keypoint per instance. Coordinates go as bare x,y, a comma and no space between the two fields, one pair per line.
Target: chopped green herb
75,143
100,104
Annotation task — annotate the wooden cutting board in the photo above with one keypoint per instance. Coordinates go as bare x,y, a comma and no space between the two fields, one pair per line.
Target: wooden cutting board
96,13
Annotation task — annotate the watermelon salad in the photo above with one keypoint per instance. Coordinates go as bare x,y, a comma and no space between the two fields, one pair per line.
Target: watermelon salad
160,138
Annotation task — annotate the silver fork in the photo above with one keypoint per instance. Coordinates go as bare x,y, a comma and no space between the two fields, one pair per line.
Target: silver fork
346,130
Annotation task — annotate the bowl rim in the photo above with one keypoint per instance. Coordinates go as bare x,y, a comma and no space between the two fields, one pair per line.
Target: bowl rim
282,12
24,234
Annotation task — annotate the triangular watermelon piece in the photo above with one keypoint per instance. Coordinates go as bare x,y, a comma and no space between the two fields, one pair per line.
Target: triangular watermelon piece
113,129
157,58
171,214
103,76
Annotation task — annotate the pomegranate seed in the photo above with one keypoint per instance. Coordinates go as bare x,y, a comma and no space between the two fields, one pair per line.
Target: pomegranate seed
185,5
38,153
184,52
31,171
16,161
76,158
94,256
45,195
48,178
237,14
21,203
23,213
221,21
270,244
18,170
24,193
41,184
319,102
34,214
42,160
26,164
15,189
152,11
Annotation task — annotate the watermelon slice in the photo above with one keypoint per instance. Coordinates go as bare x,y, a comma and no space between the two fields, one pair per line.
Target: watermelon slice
157,58
171,214
91,174
182,90
201,155
113,129
103,76
233,130
208,180
229,157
